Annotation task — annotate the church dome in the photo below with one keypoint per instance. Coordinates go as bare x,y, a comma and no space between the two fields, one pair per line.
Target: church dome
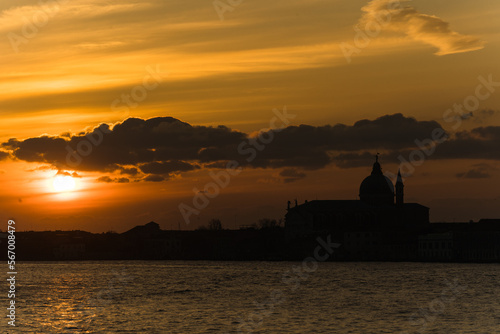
377,189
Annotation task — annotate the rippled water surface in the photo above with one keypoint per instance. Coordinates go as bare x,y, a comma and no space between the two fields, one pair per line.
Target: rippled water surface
232,297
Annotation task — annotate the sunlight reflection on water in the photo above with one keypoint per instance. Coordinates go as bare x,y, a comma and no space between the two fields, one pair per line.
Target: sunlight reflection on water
218,297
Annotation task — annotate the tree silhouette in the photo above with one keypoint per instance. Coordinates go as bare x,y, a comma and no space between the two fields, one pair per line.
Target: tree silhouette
215,225
269,223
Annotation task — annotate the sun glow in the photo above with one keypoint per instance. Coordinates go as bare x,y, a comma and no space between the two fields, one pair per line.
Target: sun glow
63,183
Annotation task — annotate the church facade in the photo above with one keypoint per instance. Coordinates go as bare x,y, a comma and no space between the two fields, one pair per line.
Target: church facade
381,207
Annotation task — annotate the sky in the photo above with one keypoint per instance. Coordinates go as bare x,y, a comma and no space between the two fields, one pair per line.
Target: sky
117,114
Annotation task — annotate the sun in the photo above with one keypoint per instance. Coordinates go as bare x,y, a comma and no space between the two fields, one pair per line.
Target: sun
63,183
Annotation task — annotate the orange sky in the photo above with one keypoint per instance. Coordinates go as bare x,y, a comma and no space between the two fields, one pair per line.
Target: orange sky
69,66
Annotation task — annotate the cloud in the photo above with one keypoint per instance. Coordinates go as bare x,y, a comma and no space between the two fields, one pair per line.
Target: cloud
484,115
479,117
130,171
74,174
154,178
167,167
108,179
313,147
425,28
350,160
157,145
478,143
38,149
157,149
474,173
81,30
485,166
291,175
478,171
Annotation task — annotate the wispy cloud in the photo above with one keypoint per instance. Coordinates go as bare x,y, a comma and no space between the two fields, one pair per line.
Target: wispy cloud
425,28
475,173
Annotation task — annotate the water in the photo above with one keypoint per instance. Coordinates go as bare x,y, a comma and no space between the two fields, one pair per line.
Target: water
227,297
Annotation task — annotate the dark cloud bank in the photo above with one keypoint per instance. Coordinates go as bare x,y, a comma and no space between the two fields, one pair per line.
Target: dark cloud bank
158,148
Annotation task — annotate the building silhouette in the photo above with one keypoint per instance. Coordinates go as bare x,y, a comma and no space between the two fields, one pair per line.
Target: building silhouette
380,207
379,226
